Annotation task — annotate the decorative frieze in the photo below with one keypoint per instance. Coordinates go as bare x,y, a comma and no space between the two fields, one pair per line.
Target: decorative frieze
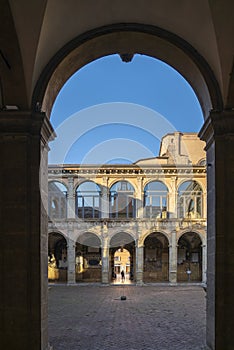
63,171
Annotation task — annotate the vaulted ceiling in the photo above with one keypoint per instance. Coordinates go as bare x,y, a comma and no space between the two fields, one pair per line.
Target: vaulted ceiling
33,32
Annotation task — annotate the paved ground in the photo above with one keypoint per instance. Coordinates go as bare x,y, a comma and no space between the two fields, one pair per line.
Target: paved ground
151,318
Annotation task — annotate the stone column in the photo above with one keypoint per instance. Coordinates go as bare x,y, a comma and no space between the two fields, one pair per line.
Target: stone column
139,199
24,230
71,199
204,205
139,264
172,198
204,263
105,198
105,264
218,132
71,259
173,258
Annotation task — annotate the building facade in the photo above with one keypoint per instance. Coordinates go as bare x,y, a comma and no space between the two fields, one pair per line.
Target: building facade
155,209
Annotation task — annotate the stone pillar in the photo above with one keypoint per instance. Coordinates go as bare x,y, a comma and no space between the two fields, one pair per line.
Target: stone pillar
24,230
172,198
218,132
105,264
71,259
139,264
139,199
204,213
204,263
105,198
71,199
173,258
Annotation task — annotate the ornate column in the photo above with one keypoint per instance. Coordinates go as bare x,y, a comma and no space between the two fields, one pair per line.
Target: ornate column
139,263
218,132
105,263
71,258
173,258
71,199
24,229
105,198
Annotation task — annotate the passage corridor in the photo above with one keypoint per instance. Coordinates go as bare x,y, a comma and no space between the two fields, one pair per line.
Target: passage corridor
94,317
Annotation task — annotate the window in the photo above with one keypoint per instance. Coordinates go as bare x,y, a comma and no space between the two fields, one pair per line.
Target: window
57,200
88,204
190,200
122,201
155,200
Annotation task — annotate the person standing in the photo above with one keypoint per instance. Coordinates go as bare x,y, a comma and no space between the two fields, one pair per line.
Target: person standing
123,275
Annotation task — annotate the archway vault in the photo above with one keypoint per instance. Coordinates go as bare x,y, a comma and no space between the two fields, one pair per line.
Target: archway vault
128,38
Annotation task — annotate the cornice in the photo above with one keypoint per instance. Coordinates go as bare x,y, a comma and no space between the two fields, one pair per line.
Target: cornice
22,123
219,123
130,171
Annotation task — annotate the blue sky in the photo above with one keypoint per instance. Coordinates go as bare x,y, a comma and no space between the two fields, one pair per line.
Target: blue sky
117,112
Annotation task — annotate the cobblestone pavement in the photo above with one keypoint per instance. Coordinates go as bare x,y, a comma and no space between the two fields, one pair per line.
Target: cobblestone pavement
151,318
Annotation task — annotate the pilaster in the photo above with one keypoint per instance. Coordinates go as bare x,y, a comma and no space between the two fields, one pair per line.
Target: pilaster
218,132
139,264
173,258
204,263
105,198
71,199
105,263
23,222
172,198
71,259
139,198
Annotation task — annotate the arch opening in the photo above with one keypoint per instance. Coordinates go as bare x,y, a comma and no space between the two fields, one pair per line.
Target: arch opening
189,258
57,200
134,39
122,257
156,258
122,201
88,258
57,258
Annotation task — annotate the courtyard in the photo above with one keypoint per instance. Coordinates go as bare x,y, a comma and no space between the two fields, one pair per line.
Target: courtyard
153,317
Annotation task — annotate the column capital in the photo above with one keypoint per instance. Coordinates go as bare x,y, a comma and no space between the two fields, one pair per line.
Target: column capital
26,122
219,123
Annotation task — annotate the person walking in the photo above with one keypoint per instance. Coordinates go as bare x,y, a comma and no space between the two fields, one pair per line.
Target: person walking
123,275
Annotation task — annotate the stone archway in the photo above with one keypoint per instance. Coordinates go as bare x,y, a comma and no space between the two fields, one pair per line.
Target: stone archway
57,258
123,39
88,258
128,39
189,258
156,258
122,241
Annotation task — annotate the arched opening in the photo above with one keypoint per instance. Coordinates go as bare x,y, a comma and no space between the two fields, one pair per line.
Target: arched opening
122,201
130,38
88,203
122,247
190,200
122,266
189,260
204,109
57,258
156,258
155,200
88,258
57,200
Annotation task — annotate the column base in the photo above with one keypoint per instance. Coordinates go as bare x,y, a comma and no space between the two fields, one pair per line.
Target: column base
173,277
71,283
140,283
105,278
